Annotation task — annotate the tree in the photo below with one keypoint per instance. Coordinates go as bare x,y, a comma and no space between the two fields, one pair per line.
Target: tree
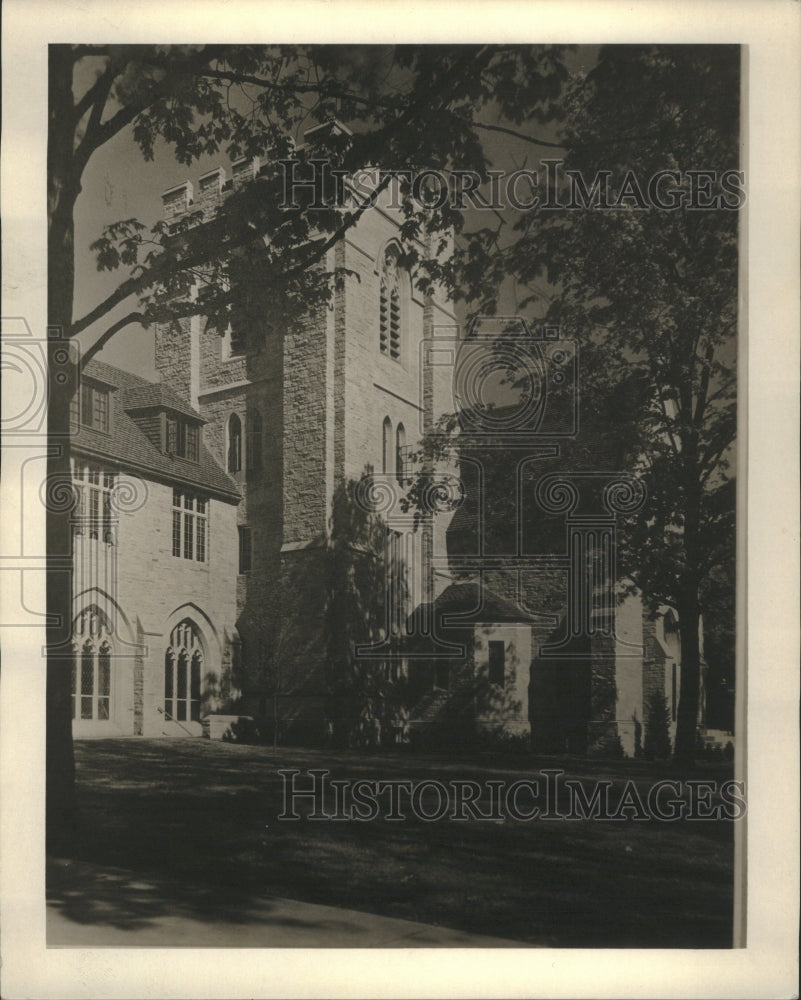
651,291
408,108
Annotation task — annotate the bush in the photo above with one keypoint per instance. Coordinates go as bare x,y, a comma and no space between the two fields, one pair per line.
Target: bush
244,730
606,747
656,744
638,751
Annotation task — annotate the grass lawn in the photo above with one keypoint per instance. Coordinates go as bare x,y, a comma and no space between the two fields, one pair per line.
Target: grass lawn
201,816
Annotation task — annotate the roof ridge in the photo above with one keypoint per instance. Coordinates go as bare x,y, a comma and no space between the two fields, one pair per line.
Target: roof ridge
139,380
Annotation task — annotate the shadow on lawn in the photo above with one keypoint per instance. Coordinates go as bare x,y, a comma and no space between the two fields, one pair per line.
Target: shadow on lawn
188,829
88,895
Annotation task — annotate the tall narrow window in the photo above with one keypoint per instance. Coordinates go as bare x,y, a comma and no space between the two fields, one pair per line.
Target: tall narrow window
497,662
194,687
74,678
386,452
389,306
104,681
253,456
189,526
94,503
87,680
400,453
245,544
234,443
192,442
200,533
169,682
172,434
180,688
100,410
176,522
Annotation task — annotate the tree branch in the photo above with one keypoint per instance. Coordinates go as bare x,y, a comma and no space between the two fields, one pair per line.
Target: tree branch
126,115
99,344
91,95
520,135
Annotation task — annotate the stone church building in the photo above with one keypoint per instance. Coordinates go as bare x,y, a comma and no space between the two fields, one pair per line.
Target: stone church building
207,506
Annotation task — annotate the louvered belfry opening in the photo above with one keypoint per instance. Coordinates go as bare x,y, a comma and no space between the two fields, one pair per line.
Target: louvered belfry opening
389,325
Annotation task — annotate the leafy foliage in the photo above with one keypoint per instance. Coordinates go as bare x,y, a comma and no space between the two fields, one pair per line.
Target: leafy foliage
651,295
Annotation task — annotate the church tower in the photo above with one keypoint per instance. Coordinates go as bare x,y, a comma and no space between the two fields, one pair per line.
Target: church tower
297,417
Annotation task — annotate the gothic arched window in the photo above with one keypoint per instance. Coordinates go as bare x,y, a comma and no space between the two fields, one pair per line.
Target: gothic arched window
389,319
234,443
183,663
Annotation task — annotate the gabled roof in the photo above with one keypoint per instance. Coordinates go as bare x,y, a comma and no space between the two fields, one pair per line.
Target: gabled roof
128,447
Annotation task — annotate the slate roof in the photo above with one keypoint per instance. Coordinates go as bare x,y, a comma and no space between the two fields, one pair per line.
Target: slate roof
156,395
128,447
477,603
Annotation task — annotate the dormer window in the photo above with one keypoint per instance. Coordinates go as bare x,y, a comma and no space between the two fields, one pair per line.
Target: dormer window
182,438
90,407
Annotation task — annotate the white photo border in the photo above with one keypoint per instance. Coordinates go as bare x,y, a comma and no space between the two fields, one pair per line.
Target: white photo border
768,503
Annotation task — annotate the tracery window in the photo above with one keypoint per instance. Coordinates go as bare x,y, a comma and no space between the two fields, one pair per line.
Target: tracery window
183,663
91,667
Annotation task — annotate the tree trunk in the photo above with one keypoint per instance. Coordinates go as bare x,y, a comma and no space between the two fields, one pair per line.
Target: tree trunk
63,191
687,603
687,715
